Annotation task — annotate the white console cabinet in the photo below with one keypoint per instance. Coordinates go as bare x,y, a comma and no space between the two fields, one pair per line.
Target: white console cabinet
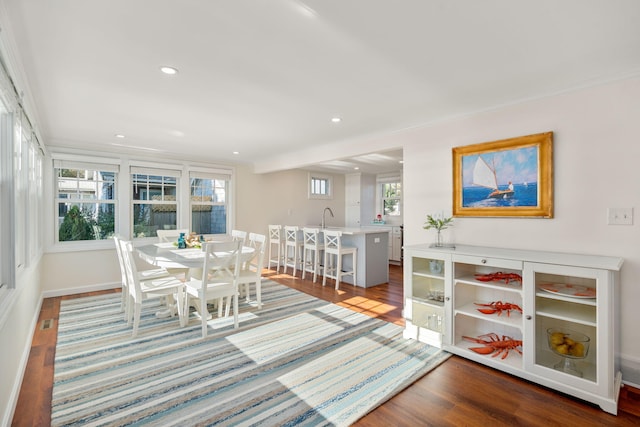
566,332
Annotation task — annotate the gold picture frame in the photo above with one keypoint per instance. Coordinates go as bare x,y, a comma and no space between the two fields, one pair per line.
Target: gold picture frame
507,178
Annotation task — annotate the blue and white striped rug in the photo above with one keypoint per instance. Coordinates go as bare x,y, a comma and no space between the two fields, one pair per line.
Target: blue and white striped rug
298,361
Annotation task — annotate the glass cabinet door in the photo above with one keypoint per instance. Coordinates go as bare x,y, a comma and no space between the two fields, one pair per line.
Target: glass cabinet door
567,325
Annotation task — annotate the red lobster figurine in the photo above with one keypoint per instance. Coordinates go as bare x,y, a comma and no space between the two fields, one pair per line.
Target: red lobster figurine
496,345
498,307
507,277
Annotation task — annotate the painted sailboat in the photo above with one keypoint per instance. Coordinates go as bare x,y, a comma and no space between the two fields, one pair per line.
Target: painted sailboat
485,176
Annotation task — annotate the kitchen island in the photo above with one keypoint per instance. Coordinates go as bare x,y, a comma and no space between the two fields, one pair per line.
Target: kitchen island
373,254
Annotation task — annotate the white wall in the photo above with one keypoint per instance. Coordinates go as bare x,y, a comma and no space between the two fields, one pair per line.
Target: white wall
66,273
596,156
281,198
16,333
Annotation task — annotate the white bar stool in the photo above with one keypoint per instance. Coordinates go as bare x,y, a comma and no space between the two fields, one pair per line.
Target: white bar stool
312,248
275,238
333,253
293,245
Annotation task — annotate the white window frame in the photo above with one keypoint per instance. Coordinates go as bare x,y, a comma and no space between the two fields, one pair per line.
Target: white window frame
211,174
76,163
152,171
317,178
7,206
383,179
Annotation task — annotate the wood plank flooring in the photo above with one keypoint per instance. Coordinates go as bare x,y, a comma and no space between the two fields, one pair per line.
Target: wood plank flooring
457,393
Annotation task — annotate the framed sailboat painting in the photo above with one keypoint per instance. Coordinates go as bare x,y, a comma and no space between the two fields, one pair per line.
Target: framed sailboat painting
507,178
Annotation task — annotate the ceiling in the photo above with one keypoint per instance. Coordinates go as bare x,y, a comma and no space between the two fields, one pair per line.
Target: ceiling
264,78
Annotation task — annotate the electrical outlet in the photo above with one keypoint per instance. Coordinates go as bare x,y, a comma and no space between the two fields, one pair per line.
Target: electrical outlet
620,216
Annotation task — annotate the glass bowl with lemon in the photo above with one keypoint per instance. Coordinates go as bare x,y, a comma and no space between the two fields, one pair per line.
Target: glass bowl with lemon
570,345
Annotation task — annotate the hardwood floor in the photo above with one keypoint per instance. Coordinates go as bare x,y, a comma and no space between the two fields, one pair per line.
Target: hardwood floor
456,393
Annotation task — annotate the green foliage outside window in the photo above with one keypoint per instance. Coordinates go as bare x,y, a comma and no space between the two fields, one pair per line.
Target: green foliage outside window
391,196
75,226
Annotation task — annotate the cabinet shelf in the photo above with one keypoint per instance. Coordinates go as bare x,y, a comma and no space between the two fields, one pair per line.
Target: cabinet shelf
428,274
561,310
470,280
427,301
513,360
471,310
548,360
584,301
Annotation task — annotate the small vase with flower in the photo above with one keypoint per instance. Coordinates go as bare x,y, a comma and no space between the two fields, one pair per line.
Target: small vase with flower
438,223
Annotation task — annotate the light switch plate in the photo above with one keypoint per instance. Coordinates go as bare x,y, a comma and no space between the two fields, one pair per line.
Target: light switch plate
620,216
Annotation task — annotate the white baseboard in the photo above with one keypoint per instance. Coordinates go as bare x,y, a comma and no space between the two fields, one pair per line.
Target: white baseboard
630,367
80,290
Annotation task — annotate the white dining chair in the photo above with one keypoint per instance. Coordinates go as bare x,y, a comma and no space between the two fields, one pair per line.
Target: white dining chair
251,271
168,236
239,235
313,251
219,279
144,274
293,245
140,290
334,250
276,239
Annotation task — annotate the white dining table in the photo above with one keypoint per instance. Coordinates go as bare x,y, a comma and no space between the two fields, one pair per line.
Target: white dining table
167,255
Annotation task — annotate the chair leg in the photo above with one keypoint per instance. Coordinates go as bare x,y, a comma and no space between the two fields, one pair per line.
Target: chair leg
136,318
259,292
326,268
305,255
235,311
295,259
354,256
123,299
235,300
338,271
316,265
180,307
203,316
129,310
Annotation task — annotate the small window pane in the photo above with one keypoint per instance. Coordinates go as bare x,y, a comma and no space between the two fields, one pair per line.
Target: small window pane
391,198
208,207
319,187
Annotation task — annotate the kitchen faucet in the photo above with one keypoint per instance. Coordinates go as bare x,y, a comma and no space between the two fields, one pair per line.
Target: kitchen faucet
323,225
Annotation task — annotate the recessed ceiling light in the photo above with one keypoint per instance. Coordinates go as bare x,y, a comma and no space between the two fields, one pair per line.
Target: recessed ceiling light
169,70
356,168
236,152
401,161
336,120
119,135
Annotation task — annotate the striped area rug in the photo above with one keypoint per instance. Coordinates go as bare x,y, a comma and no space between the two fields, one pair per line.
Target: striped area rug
298,361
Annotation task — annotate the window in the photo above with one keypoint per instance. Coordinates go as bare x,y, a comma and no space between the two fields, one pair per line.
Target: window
6,203
154,198
391,198
209,202
86,200
320,186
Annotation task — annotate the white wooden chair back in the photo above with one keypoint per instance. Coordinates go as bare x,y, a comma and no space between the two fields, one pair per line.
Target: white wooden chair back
239,235
221,261
170,235
311,237
332,241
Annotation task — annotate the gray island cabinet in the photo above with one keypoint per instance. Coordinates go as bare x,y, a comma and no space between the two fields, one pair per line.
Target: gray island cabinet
373,254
